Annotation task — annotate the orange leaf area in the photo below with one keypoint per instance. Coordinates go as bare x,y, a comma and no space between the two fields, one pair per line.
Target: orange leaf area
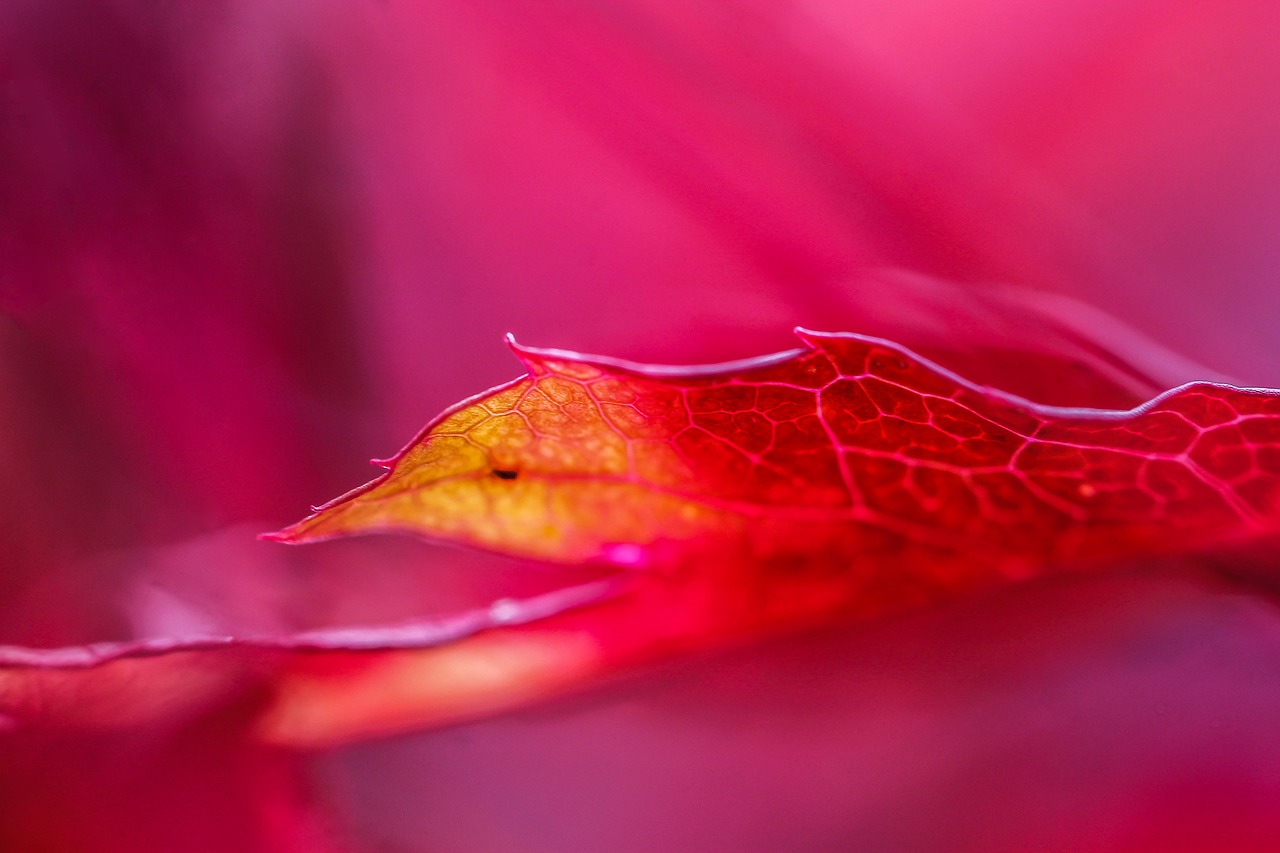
842,480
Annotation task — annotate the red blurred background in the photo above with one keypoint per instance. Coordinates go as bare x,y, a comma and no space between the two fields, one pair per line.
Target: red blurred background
244,246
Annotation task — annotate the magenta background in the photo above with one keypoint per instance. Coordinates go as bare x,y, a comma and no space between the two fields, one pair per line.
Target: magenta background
245,245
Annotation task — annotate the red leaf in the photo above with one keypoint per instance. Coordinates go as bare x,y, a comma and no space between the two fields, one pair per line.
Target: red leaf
848,479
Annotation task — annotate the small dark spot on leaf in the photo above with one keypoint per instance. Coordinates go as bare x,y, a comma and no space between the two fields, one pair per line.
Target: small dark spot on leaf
503,474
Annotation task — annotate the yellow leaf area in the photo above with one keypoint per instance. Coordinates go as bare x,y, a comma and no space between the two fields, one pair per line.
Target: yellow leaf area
547,468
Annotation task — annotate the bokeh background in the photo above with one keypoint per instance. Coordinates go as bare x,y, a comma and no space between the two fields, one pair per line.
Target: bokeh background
246,245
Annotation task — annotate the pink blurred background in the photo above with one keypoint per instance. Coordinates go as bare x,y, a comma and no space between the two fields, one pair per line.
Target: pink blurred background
245,246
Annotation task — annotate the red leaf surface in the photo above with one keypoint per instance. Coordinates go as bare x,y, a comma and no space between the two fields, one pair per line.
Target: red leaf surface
847,479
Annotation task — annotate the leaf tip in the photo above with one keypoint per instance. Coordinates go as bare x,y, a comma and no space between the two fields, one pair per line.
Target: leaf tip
528,356
809,337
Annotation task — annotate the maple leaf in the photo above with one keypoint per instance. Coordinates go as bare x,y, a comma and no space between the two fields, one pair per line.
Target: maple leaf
846,479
